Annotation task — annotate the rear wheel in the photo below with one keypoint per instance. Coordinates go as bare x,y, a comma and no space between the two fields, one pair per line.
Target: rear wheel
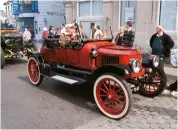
33,70
153,83
2,59
112,96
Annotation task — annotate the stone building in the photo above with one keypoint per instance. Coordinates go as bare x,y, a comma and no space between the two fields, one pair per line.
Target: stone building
9,13
146,15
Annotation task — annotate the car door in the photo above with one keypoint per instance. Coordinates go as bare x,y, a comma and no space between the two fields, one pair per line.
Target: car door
48,53
72,56
61,56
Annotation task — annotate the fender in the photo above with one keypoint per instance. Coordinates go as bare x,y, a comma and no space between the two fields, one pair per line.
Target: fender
146,62
37,55
117,69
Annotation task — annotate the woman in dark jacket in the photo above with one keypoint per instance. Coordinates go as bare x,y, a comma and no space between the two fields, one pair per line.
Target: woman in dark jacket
119,37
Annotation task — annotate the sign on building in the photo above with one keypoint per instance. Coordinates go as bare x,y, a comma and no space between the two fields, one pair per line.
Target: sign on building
129,14
15,6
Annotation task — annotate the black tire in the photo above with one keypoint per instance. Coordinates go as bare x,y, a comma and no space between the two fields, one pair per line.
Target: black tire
160,89
2,59
123,87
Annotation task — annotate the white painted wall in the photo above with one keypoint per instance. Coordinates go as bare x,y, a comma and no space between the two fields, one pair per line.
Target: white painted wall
55,9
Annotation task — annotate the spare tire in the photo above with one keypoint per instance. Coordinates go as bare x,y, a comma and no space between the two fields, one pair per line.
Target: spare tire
174,58
2,59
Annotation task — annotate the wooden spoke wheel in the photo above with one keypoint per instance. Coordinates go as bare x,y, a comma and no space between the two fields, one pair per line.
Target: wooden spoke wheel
34,71
112,96
153,83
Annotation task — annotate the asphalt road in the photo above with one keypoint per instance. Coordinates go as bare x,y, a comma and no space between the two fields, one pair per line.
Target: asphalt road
56,105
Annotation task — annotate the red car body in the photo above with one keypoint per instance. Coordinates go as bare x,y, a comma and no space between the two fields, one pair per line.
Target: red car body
81,58
103,64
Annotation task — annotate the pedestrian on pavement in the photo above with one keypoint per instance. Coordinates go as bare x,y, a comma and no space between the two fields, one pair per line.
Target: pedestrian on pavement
129,35
62,27
119,37
44,34
161,43
26,35
32,32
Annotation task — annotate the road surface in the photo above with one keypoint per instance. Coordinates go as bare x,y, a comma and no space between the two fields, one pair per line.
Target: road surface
56,105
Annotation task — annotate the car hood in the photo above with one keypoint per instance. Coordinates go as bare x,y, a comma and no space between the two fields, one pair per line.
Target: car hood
118,50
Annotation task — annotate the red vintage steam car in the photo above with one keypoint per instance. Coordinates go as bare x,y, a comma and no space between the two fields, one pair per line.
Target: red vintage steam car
108,67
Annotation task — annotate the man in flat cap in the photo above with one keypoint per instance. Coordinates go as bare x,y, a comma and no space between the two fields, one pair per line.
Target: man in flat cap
161,43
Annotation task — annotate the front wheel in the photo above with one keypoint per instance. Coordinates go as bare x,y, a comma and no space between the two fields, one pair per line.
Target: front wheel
154,83
2,59
112,96
33,70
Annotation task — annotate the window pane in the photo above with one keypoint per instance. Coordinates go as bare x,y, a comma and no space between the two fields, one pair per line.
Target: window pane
27,1
168,14
84,8
97,8
128,12
27,5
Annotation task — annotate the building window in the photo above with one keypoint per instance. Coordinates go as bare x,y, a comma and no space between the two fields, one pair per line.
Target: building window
128,12
84,8
8,10
97,8
90,8
168,14
20,5
27,5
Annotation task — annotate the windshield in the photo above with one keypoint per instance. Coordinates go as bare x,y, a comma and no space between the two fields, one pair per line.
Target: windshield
95,30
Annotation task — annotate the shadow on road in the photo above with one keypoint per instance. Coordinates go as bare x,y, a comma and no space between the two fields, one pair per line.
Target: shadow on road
80,95
15,61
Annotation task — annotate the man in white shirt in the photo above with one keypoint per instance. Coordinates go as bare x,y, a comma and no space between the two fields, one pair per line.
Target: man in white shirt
26,35
96,33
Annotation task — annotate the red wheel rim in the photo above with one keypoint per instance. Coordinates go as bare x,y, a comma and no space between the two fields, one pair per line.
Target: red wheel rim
154,85
110,96
33,70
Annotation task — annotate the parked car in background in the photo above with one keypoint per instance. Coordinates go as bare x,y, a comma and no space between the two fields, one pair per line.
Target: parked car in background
12,45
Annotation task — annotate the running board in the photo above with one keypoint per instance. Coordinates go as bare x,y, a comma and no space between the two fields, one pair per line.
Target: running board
67,79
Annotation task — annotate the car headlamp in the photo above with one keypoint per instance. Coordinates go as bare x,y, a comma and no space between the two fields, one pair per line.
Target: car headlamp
135,65
155,61
94,52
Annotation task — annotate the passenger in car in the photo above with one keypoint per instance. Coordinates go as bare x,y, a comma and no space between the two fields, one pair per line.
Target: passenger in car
96,33
82,33
104,33
52,31
66,37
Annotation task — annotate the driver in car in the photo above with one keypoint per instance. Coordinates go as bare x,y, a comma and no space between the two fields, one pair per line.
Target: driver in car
96,33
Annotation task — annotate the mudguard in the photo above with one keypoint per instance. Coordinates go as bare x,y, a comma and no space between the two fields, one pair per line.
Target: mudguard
116,69
146,62
37,55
